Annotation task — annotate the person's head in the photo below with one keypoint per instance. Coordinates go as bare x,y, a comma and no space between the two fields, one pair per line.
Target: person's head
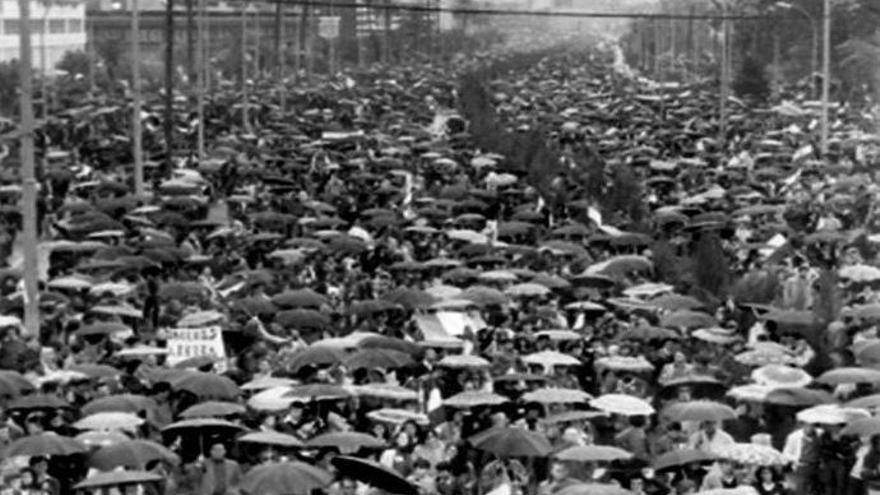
559,471
218,451
684,393
421,466
726,467
709,426
401,440
875,442
39,465
765,474
636,484
348,486
685,487
295,412
679,358
27,478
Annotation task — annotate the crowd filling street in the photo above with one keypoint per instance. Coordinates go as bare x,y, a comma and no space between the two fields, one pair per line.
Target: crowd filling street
357,291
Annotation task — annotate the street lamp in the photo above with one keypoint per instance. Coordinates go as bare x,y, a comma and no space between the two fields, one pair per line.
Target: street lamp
814,55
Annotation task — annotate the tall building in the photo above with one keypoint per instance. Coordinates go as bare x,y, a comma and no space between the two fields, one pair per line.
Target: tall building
57,26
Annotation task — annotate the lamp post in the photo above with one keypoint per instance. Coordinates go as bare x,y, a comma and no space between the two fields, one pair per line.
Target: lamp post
826,73
814,53
136,133
28,176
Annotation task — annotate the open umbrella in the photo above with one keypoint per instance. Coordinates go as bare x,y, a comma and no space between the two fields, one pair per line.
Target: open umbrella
38,401
779,375
593,489
675,302
315,355
267,383
699,410
397,417
592,453
862,427
377,358
318,392
512,442
387,391
201,428
206,385
272,438
840,376
126,403
680,458
463,361
830,414
213,409
685,318
13,384
44,444
867,402
302,298
96,439
798,397
118,478
346,441
287,478
556,396
95,370
109,421
374,474
549,359
133,454
625,405
474,398
752,454
576,416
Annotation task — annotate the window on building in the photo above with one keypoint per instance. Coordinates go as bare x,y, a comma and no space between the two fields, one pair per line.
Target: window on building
75,26
10,26
36,26
57,26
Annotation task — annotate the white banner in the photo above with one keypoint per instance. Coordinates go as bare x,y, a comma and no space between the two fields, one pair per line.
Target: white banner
186,343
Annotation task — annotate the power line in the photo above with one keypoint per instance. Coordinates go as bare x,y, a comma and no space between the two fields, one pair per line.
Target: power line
517,13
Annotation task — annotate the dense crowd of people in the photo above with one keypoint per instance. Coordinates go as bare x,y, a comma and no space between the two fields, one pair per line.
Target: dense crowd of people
347,296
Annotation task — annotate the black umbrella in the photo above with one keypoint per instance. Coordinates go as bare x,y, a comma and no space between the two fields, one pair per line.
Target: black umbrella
374,474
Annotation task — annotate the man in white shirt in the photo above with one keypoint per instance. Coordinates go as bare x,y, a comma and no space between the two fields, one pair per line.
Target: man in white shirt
802,452
710,439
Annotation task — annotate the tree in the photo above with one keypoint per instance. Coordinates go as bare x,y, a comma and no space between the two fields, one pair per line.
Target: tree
73,63
8,87
752,81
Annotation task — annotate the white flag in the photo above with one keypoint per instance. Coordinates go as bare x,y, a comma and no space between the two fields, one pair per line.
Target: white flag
594,215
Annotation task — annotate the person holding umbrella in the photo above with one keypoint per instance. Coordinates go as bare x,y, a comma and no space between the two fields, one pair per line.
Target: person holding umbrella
217,475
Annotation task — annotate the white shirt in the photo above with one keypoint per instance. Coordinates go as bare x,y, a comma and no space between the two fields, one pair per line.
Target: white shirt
794,444
859,465
715,445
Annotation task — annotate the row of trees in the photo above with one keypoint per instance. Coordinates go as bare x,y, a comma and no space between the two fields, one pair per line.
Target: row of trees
775,44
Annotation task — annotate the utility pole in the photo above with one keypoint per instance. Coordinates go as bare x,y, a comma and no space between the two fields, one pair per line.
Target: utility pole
136,134
169,85
826,74
386,40
725,74
28,175
201,80
244,86
191,31
90,43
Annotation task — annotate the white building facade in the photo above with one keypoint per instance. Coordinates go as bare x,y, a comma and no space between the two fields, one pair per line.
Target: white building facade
56,28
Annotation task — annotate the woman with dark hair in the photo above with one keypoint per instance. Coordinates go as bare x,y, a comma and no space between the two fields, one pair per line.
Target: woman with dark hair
871,466
767,482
